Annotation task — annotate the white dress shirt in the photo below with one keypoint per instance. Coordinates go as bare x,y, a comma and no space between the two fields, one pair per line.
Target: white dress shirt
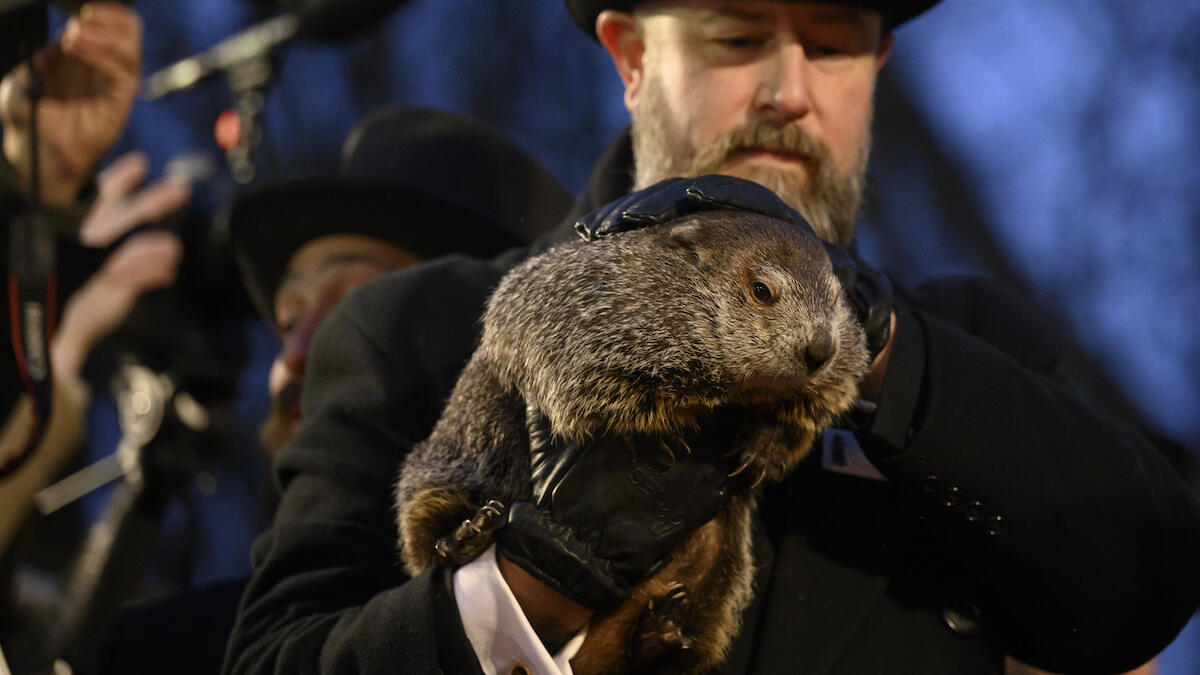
499,633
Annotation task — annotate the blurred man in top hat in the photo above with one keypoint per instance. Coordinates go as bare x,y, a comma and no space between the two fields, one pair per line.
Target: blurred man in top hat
415,184
975,507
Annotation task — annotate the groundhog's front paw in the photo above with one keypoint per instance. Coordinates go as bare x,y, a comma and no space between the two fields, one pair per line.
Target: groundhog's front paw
769,452
660,627
428,517
472,537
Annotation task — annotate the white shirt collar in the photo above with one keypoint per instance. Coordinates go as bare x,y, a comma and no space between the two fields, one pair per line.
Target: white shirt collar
497,628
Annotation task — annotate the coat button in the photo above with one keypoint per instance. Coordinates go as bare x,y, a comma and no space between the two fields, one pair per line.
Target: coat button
521,669
951,497
973,512
930,484
965,622
995,525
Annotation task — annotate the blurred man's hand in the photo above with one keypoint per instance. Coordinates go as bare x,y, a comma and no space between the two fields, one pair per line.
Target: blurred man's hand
90,75
120,205
148,260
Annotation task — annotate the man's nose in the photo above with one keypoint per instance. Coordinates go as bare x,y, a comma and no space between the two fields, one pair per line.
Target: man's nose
784,94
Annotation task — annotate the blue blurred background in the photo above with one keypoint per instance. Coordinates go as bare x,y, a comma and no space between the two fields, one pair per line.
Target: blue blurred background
1051,144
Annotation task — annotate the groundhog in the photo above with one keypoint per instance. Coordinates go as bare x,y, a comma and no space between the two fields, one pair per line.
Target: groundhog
644,333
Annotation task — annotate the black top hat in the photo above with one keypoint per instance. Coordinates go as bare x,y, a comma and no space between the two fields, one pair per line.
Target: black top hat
429,181
895,12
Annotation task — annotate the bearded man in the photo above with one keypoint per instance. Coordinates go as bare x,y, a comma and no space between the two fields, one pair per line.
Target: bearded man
747,126
976,508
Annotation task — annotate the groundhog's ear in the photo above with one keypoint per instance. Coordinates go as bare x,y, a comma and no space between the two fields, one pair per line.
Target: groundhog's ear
687,238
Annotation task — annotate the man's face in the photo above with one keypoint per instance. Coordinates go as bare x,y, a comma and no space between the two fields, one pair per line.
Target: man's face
775,92
317,276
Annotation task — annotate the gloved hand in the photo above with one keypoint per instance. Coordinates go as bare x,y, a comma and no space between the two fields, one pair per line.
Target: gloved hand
606,513
869,291
674,198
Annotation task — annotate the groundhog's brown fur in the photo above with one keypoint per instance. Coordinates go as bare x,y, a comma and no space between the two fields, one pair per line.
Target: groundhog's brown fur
645,332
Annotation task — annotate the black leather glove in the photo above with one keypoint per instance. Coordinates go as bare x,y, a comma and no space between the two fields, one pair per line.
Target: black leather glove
605,514
869,291
673,198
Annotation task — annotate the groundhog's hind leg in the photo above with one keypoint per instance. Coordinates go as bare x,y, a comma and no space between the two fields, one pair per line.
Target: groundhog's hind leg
683,619
428,516
768,449
478,451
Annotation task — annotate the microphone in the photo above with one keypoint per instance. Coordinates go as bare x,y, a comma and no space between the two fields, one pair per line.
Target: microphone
332,19
252,43
313,19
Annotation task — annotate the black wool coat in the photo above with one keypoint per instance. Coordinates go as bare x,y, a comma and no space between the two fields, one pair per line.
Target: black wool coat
1016,519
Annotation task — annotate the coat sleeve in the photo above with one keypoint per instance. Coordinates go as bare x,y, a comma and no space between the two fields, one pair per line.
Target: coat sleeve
327,593
1080,541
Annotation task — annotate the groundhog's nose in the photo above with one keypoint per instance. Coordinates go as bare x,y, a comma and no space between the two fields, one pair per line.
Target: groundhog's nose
819,350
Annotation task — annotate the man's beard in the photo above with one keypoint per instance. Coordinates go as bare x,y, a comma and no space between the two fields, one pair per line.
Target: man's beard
828,200
277,430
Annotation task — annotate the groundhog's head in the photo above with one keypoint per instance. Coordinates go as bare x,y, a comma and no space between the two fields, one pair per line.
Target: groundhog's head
783,323
648,330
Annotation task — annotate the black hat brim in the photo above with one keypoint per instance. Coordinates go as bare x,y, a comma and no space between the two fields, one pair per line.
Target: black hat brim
894,12
271,223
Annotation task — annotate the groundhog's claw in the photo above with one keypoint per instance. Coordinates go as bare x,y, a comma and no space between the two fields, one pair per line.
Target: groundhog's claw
749,459
666,447
472,537
687,449
670,445
659,629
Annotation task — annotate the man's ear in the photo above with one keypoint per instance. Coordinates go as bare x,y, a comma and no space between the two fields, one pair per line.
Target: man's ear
620,38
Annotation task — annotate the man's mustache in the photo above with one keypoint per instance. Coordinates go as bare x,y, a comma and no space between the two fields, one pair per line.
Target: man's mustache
760,135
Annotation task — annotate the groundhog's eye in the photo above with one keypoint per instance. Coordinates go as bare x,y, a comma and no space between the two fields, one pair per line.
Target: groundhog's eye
762,293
